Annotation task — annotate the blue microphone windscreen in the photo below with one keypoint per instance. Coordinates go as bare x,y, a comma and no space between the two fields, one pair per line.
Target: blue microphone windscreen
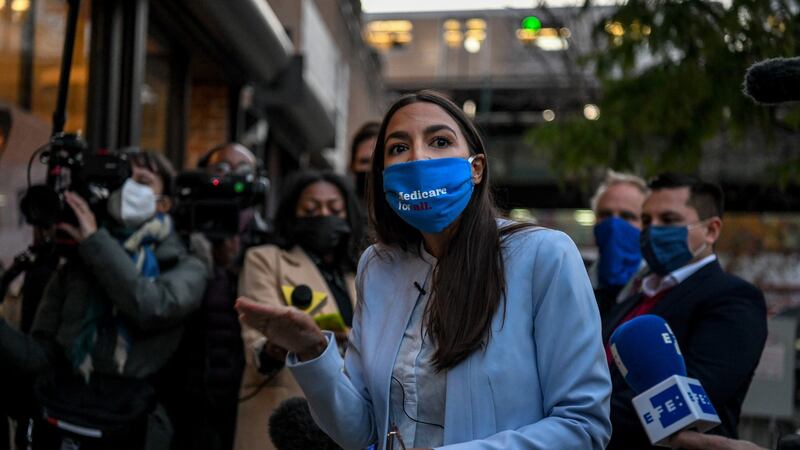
646,352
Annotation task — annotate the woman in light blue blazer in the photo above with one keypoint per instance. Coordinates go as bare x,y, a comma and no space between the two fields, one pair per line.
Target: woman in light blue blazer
471,332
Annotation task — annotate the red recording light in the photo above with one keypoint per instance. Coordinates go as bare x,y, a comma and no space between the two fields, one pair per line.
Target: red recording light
215,182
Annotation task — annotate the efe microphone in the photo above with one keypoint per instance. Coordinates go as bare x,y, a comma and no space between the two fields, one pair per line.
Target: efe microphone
647,354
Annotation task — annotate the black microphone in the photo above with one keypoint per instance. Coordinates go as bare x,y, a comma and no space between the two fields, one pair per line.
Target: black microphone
291,427
419,288
773,81
302,296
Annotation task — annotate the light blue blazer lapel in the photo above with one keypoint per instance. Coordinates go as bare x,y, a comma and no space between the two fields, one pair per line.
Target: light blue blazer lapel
398,300
457,411
469,404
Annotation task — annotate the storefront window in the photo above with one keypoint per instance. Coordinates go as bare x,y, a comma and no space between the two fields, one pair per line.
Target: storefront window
32,58
51,21
155,96
208,113
11,27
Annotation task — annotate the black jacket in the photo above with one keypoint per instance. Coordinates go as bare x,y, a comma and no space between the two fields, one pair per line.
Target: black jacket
720,322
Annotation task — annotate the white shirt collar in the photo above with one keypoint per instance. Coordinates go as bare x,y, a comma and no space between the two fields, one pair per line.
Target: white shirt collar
654,283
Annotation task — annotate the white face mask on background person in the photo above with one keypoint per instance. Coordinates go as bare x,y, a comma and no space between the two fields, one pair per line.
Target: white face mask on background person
132,204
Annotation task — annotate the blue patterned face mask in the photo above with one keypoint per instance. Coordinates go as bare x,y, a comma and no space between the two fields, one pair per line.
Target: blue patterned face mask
618,242
666,248
429,194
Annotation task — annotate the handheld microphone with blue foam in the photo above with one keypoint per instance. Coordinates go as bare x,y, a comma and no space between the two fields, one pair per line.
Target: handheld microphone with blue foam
647,354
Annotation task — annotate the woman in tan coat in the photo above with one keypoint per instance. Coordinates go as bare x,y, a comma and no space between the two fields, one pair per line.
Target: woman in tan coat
319,236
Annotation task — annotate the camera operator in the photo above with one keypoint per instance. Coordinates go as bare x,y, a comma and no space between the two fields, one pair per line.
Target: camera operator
236,159
204,377
112,315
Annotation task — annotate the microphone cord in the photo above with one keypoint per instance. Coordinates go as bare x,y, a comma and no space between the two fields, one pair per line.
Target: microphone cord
258,388
403,391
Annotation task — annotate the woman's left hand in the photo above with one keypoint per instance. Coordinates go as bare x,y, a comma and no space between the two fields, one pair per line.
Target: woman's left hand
87,224
286,327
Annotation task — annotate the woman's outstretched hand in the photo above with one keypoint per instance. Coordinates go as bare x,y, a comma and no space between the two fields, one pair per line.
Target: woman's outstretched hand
284,326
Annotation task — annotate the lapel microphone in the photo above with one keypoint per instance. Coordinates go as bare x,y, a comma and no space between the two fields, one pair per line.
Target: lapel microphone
419,288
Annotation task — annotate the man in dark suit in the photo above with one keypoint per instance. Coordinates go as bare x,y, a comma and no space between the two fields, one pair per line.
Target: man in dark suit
719,319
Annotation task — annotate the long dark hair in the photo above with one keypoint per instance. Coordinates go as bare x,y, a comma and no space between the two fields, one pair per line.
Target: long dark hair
367,131
348,252
469,280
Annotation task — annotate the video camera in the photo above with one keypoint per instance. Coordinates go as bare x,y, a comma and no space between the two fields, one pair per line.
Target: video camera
70,166
210,204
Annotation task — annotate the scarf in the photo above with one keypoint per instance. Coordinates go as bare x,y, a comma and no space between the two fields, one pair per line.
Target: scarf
140,245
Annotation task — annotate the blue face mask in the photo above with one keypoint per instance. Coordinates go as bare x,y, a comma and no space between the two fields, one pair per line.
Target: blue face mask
666,248
429,194
620,256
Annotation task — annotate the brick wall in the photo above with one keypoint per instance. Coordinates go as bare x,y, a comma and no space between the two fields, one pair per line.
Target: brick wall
207,120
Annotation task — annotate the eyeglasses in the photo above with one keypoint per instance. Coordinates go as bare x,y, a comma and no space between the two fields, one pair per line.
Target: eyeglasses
392,436
224,168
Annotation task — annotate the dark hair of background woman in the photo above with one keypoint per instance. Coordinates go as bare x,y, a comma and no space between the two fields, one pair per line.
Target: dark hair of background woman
469,282
367,131
348,252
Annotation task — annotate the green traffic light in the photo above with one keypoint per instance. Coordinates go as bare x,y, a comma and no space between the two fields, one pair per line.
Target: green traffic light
238,187
531,23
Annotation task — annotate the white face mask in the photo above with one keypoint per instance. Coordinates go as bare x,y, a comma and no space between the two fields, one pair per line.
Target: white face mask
137,204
